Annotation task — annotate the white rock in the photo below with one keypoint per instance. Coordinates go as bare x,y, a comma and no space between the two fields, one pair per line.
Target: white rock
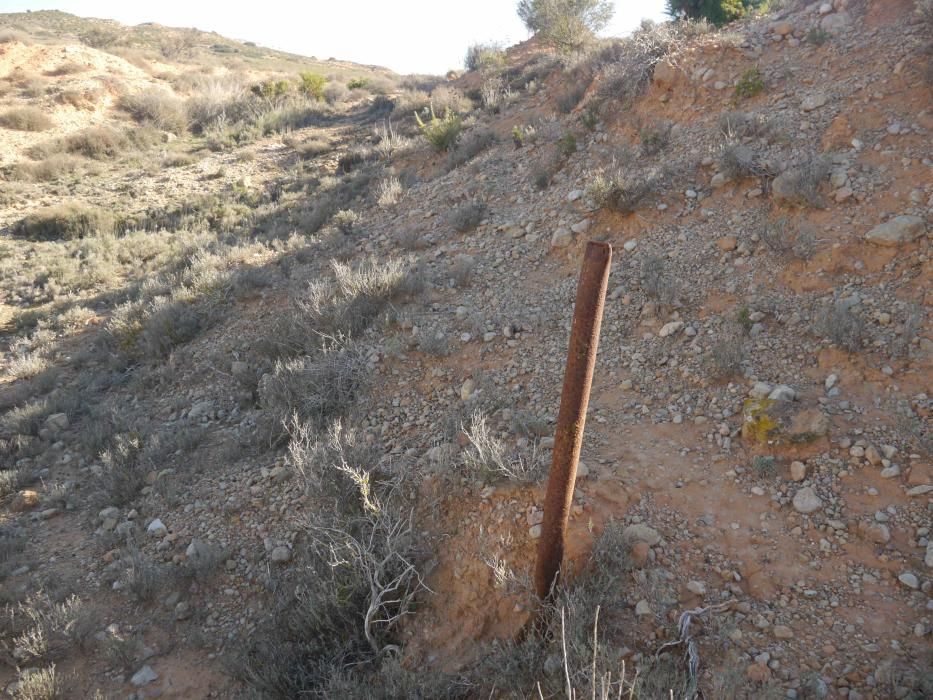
928,559
798,471
629,245
157,528
831,381
581,226
909,580
642,608
574,195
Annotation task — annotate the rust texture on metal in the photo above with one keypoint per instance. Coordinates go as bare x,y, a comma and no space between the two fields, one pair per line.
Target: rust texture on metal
568,437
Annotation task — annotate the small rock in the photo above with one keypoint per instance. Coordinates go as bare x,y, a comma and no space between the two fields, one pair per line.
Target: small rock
561,238
783,632
57,422
909,580
467,389
782,392
157,529
534,531
696,587
900,229
798,471
727,243
806,501
143,676
280,555
670,328
811,102
642,608
639,532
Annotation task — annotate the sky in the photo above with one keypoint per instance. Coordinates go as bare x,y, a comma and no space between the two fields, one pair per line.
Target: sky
408,36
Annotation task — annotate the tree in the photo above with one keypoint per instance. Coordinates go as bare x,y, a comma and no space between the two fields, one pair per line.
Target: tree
567,25
717,12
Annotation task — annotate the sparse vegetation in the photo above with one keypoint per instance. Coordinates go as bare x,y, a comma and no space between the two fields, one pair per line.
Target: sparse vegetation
750,84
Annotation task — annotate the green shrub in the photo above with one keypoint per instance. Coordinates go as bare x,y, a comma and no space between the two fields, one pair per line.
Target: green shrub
567,145
25,119
717,12
357,83
764,466
272,90
312,84
486,58
65,222
750,84
442,133
817,36
566,25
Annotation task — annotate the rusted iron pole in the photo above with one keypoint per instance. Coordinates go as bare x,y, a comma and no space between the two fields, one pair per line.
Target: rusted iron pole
568,437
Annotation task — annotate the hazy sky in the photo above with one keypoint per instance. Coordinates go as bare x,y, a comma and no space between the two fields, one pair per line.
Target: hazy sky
408,36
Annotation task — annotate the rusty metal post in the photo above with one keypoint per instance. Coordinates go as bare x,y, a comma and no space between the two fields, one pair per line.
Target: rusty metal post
568,437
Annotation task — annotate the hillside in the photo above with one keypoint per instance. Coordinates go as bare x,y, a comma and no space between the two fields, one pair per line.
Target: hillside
279,377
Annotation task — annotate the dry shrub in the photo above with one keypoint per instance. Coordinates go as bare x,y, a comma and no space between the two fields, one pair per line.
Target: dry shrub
800,185
65,222
630,62
737,161
157,108
445,98
468,216
475,142
67,68
843,327
51,168
26,119
623,190
85,98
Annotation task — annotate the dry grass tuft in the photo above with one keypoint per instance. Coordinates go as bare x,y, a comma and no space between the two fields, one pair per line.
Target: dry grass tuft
26,119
